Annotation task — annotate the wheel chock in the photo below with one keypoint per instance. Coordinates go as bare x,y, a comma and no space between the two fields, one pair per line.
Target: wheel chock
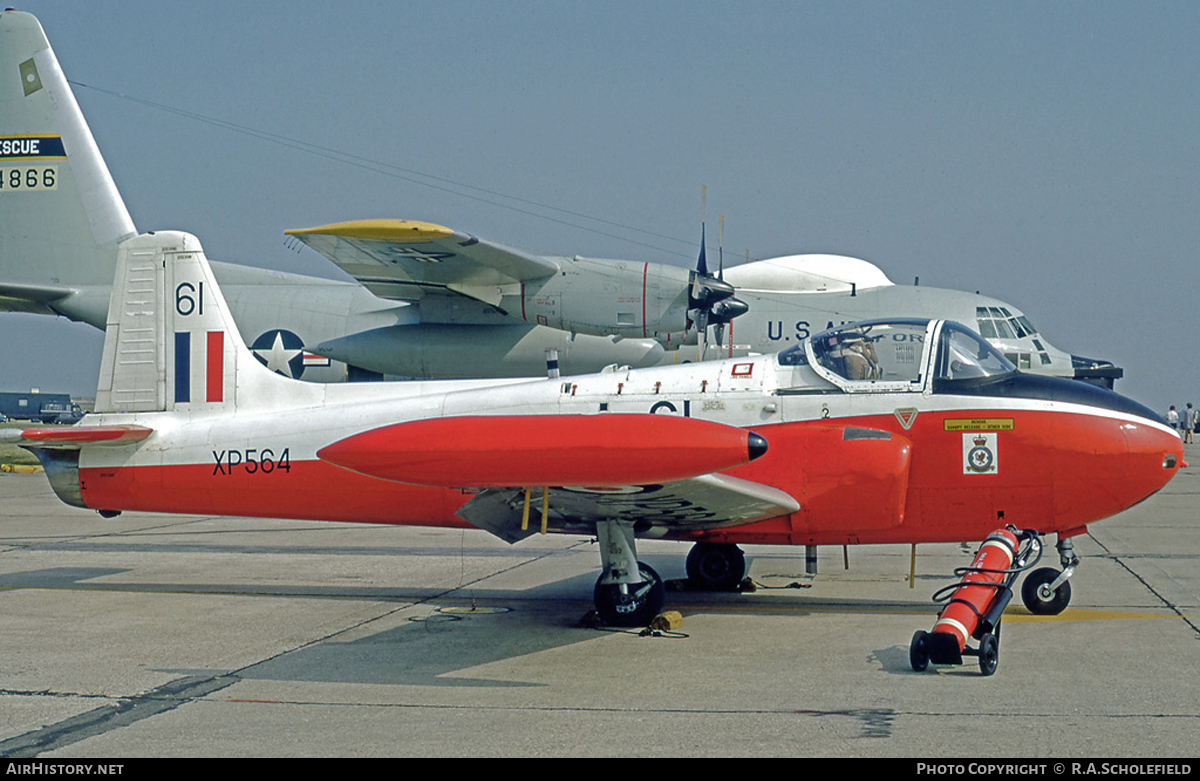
667,621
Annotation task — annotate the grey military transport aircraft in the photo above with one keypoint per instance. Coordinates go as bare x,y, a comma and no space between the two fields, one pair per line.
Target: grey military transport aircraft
429,301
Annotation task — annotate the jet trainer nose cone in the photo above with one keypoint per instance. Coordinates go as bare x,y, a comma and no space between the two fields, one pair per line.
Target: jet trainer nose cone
1155,456
1108,464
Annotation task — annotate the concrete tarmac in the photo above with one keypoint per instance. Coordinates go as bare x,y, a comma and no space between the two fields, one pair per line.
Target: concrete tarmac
171,636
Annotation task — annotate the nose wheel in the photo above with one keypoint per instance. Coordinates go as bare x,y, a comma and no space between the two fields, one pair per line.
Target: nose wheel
1046,591
1040,594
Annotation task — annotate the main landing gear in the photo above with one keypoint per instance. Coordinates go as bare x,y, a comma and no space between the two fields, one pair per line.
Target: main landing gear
715,566
628,593
631,593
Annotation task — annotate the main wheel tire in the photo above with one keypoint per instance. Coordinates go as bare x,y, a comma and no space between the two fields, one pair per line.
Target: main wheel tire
1038,597
716,567
989,654
638,607
918,651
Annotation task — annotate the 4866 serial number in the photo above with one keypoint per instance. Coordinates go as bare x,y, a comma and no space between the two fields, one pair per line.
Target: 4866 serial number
25,179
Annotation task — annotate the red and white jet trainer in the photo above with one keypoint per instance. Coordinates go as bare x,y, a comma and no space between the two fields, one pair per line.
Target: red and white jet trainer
882,432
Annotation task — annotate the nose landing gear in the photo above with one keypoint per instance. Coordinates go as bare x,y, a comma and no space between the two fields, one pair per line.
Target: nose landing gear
1046,591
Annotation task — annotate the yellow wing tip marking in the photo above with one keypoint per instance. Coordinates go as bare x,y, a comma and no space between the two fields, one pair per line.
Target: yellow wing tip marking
378,230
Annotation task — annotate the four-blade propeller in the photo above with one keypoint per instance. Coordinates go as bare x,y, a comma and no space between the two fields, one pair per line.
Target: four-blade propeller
711,297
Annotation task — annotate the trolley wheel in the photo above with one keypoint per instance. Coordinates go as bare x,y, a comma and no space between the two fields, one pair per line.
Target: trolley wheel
918,651
1037,596
989,654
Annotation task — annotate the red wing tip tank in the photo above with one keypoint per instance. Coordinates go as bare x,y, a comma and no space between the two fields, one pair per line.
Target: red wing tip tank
521,450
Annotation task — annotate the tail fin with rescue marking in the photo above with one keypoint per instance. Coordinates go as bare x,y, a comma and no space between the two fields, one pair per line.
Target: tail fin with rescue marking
61,216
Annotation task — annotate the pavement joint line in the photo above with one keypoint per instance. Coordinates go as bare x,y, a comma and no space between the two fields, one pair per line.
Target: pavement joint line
1146,585
123,712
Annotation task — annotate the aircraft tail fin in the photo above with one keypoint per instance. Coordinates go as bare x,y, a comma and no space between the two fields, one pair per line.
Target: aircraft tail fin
62,216
170,342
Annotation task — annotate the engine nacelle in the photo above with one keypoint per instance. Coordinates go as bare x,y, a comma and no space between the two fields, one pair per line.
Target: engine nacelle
602,297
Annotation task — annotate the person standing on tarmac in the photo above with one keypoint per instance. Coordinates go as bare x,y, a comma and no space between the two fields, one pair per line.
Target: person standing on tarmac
1190,418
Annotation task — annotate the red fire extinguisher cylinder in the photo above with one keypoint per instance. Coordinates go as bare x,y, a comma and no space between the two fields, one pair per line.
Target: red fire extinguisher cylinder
973,609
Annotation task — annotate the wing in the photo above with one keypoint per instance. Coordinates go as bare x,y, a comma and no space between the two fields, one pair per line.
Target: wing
404,259
711,501
33,299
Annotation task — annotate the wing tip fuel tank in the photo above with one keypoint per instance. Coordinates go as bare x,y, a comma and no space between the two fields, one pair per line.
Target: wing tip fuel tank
519,450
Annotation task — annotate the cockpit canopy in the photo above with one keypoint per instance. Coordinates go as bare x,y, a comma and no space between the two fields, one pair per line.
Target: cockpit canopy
965,355
935,356
878,355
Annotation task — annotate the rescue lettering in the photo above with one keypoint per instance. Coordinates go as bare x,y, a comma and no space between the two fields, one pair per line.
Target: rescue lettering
30,146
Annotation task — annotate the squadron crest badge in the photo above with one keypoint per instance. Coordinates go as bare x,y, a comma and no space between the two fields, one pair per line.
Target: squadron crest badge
979,453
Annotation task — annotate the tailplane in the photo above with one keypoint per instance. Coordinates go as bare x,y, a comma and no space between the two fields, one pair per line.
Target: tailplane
61,216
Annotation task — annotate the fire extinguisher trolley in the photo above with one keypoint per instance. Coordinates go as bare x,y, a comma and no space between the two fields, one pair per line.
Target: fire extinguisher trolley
975,604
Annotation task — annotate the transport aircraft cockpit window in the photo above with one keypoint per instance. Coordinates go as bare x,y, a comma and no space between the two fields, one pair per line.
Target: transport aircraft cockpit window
996,322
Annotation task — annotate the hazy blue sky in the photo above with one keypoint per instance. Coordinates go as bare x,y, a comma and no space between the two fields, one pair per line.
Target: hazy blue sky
1042,153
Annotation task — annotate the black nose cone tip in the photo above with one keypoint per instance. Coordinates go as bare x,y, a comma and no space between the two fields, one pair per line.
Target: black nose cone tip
756,446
